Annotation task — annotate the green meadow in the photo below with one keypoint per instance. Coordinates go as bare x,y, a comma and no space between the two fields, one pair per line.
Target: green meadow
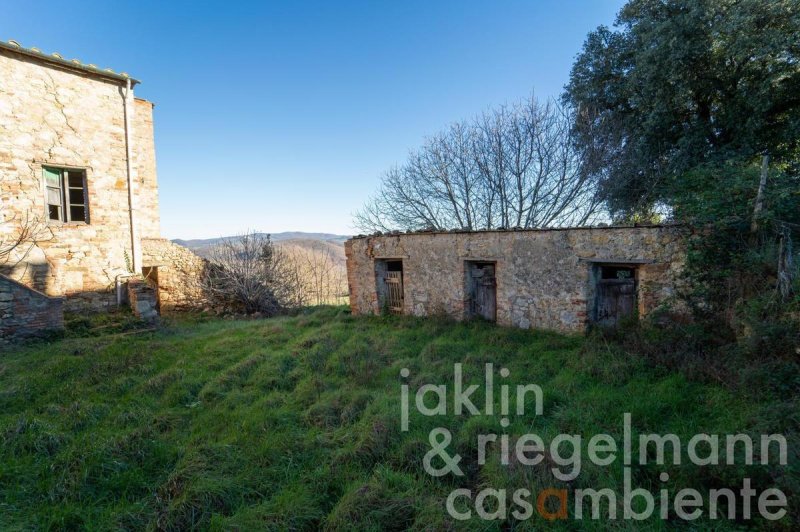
294,423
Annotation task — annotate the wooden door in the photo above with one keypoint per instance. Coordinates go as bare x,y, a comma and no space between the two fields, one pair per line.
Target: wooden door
394,292
616,299
484,291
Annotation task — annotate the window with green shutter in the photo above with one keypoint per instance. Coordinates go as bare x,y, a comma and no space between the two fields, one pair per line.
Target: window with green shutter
65,194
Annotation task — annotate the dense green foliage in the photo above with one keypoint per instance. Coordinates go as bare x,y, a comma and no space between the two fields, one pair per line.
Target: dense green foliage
679,84
675,109
294,422
728,263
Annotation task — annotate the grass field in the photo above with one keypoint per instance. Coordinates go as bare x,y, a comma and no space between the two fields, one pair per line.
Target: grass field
294,423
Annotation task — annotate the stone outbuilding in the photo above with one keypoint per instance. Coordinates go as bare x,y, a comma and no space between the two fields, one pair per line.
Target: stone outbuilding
78,172
559,279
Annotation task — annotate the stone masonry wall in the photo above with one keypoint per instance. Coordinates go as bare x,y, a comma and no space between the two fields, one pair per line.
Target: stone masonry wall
145,156
51,116
143,299
26,312
177,272
543,276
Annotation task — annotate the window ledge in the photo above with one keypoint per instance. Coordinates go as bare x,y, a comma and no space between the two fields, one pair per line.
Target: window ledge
53,223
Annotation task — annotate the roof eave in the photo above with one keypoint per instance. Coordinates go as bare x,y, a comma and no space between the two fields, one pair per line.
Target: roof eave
71,65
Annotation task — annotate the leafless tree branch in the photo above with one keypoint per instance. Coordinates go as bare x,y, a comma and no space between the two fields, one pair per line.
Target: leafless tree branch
19,235
514,166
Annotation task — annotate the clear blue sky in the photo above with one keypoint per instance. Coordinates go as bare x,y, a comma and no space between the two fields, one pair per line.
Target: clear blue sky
282,116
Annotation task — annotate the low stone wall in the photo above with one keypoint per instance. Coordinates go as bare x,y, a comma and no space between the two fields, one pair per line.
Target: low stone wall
27,312
176,272
544,278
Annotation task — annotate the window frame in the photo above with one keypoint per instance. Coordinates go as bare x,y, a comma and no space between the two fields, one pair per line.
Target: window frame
64,188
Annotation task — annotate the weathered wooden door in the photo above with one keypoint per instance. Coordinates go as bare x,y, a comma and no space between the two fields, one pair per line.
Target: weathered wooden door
616,299
394,292
484,291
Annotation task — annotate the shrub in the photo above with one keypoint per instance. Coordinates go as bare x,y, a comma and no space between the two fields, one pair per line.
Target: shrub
249,274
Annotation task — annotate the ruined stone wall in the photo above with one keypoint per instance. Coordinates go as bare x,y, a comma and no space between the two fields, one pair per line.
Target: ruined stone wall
544,277
26,312
143,299
177,272
51,116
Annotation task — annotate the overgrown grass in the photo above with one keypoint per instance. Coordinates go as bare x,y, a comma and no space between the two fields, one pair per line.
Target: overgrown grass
294,423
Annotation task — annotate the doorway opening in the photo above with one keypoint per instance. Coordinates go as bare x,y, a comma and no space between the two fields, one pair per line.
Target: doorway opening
615,293
389,285
481,290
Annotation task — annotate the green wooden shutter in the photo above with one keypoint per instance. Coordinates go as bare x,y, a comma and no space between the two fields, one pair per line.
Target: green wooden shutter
54,193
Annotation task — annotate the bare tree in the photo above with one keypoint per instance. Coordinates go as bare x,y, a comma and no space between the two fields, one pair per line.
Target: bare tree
18,236
515,166
321,275
250,274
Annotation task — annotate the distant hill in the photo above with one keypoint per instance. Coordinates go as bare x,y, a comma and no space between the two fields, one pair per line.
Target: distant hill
288,238
335,247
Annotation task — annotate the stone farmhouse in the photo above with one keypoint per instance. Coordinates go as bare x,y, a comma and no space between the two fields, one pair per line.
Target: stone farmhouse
78,173
559,279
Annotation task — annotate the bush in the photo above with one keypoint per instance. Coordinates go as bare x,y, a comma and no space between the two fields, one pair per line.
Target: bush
249,274
731,261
